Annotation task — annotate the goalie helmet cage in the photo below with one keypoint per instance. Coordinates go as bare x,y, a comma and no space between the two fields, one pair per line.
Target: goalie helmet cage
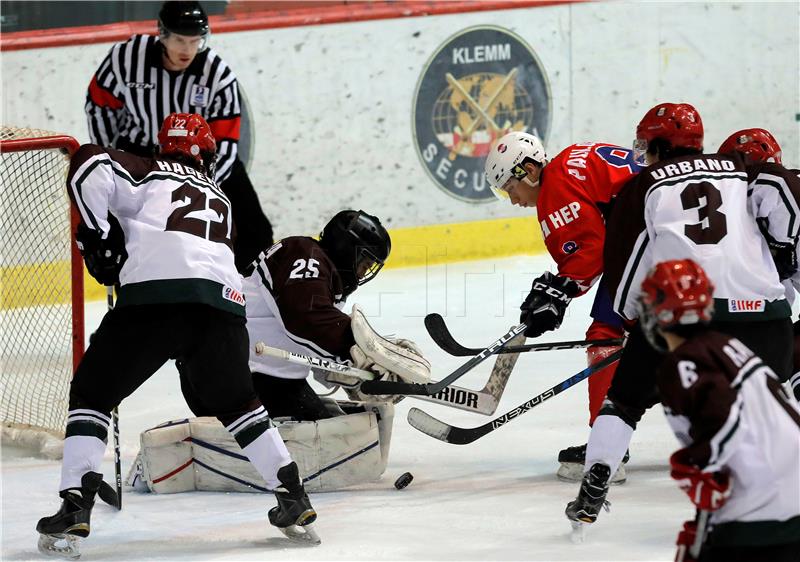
41,306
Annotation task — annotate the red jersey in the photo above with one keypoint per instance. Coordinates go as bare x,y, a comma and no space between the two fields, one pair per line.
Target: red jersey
577,187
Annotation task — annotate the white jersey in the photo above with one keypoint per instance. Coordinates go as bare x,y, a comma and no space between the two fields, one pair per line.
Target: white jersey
704,208
730,412
294,300
176,224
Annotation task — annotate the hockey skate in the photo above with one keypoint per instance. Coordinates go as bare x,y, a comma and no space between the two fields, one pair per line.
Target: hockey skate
591,499
60,534
293,516
572,460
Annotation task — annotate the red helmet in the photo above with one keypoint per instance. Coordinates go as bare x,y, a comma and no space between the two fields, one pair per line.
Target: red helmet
758,144
676,292
187,134
677,123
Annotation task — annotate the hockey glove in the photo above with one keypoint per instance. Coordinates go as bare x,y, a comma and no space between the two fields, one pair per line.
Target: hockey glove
707,490
104,258
544,307
685,541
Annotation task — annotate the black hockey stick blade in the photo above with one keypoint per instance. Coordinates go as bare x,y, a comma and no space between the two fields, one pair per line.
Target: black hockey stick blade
437,429
441,335
409,389
108,495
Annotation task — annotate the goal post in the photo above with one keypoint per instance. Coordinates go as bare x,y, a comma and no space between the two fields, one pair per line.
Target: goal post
41,288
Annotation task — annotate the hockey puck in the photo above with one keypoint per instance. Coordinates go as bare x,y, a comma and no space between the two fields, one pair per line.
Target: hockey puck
404,480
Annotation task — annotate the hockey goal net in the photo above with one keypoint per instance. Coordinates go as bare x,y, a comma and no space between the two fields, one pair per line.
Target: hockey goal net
41,281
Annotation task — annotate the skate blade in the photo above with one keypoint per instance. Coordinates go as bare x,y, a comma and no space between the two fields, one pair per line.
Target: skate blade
578,534
60,546
305,534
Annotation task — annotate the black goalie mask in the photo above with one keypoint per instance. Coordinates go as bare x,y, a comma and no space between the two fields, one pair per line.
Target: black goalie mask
358,245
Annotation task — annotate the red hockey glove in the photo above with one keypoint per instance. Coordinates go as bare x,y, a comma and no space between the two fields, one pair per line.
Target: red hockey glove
707,490
686,539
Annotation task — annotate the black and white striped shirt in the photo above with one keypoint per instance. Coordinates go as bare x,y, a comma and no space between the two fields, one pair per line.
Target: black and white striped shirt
132,93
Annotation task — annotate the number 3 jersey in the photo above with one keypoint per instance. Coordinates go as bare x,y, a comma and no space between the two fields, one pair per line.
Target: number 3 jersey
704,208
176,224
293,296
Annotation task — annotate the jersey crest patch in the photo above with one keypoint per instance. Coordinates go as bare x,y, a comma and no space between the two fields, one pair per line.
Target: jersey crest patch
230,294
199,95
743,305
569,247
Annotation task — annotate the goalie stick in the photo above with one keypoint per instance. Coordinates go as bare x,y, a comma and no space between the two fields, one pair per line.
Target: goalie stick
440,334
477,401
437,429
429,389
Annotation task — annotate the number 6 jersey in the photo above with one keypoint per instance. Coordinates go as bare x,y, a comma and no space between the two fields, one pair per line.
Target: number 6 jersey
703,207
176,222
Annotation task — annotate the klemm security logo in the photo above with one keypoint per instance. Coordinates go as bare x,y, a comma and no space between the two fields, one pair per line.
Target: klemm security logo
483,82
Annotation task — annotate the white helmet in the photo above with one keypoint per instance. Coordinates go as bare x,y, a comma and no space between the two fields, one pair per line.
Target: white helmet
508,155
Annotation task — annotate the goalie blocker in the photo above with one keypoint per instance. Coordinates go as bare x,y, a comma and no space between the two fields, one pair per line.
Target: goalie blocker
331,454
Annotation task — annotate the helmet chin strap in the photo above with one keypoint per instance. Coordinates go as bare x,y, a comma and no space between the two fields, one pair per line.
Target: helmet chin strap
527,181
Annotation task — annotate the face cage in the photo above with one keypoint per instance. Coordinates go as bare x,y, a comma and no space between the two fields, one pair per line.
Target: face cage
640,151
375,266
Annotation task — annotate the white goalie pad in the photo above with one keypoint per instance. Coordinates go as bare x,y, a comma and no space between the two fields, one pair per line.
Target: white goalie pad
399,357
200,454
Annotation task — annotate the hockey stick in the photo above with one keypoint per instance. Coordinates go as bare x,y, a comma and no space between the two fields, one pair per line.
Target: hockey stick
437,429
115,420
700,536
477,401
429,389
440,334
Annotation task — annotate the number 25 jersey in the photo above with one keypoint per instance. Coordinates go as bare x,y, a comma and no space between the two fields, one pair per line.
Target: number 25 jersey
704,207
176,223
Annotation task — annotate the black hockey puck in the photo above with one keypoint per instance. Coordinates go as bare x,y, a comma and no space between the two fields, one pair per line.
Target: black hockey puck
404,480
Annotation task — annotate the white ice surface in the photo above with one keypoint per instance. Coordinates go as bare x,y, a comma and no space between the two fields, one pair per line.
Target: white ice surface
495,499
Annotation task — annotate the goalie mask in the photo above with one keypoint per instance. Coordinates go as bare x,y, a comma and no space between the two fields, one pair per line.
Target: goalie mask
358,246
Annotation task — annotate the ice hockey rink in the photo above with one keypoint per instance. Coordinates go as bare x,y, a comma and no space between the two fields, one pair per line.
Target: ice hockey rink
495,499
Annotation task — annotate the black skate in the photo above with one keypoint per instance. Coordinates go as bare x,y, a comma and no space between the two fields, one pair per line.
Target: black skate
591,499
293,515
60,534
572,460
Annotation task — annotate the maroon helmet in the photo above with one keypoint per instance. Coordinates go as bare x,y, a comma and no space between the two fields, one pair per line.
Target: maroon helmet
758,144
189,135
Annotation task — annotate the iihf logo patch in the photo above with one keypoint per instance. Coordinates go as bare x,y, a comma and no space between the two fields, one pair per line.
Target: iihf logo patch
199,95
230,294
569,247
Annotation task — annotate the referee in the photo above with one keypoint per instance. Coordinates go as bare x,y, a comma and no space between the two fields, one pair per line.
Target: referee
146,78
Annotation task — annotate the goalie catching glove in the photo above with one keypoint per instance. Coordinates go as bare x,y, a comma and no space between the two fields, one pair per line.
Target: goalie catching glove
393,359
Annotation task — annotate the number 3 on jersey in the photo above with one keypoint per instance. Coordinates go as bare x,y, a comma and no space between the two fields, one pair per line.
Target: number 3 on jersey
200,203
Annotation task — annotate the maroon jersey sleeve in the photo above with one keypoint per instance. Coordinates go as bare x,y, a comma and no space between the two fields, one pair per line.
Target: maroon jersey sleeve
306,288
701,403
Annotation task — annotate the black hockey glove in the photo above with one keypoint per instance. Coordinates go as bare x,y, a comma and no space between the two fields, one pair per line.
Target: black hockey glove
103,258
544,307
784,254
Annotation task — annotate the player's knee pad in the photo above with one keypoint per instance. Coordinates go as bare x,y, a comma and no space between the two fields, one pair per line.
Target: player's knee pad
199,454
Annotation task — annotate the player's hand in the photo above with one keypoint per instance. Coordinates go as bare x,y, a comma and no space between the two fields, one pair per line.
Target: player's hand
685,541
544,307
707,490
104,258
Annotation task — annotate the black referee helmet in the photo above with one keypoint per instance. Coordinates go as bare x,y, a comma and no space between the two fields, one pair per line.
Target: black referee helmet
183,18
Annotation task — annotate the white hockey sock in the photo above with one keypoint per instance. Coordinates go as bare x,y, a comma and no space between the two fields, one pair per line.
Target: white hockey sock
82,454
268,454
84,446
608,441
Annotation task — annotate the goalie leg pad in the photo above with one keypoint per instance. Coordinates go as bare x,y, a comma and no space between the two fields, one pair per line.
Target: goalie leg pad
199,454
402,359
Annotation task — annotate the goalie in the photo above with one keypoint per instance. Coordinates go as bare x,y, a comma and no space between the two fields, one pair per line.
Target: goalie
294,292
